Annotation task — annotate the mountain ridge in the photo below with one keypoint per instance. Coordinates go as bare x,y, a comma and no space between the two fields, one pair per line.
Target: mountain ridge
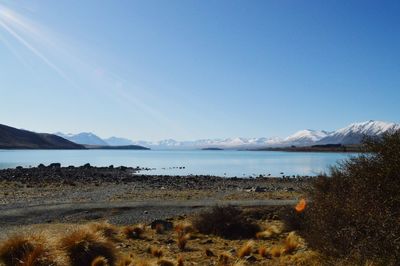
13,138
351,134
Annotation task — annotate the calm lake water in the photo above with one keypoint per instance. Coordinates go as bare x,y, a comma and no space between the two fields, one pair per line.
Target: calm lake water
197,162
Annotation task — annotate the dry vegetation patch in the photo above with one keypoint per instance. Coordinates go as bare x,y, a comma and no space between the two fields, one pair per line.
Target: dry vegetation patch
99,244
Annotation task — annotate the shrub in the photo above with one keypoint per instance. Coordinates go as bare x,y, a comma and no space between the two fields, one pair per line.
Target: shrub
224,259
276,251
100,261
356,210
83,247
15,249
133,232
26,251
291,243
106,230
156,252
262,251
246,249
182,240
228,222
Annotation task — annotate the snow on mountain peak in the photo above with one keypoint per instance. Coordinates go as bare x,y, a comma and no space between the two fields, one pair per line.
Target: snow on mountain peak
354,133
307,134
351,134
370,128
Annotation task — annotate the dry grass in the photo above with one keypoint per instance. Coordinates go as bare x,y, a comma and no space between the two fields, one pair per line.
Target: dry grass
246,249
156,252
262,251
126,261
88,246
307,258
165,262
179,261
275,251
184,228
83,247
16,249
109,231
182,240
28,251
209,253
100,261
271,231
224,259
134,232
291,243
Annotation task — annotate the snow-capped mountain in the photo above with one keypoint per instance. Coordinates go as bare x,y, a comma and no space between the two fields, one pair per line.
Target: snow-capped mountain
228,143
305,137
115,141
354,133
83,138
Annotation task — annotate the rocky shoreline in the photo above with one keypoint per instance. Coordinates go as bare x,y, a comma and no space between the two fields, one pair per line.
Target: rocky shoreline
71,175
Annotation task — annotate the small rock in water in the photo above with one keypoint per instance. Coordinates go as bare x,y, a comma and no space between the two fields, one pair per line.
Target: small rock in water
54,165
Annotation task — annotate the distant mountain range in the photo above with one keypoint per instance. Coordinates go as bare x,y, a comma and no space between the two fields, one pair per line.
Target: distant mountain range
83,138
354,133
351,134
13,138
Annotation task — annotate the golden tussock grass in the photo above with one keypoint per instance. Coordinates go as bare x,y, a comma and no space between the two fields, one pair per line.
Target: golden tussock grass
275,251
262,251
82,247
92,245
156,252
126,261
224,259
271,231
15,249
100,261
40,256
184,228
239,263
142,262
165,262
292,242
134,232
28,251
179,261
182,241
306,258
109,231
246,249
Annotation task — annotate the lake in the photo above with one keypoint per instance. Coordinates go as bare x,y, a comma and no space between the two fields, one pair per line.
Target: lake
183,162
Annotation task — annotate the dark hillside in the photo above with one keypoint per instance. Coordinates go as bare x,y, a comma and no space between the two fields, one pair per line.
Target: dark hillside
13,138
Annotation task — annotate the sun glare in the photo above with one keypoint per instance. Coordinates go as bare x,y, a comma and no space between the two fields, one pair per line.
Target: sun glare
301,206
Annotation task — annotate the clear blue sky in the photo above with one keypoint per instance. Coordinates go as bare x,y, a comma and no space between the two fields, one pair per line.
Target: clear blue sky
197,69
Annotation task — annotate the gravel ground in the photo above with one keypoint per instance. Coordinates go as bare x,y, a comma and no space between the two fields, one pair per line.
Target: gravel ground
56,194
